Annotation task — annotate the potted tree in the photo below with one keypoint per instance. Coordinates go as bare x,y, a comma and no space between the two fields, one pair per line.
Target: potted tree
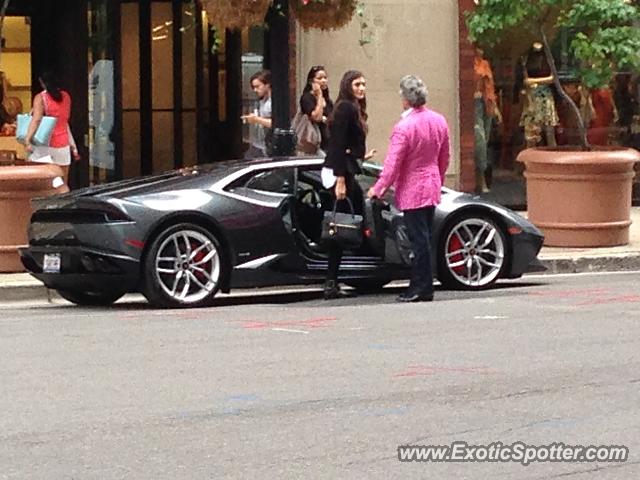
580,195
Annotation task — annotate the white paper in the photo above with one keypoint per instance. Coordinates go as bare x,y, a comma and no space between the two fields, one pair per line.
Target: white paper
328,178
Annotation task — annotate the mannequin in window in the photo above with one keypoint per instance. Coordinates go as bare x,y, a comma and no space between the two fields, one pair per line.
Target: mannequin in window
606,115
539,115
486,110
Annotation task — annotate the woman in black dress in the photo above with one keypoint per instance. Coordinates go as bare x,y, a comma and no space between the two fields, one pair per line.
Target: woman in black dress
348,132
316,103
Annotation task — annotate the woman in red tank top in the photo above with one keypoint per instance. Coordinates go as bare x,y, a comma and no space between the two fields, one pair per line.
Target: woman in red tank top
53,102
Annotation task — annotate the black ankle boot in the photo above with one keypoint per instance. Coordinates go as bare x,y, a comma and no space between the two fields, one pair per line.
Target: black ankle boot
332,291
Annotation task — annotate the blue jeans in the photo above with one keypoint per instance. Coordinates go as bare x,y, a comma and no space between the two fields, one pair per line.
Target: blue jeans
419,224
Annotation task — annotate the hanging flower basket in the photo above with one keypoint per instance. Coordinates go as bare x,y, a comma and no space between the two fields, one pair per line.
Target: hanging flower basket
237,14
323,14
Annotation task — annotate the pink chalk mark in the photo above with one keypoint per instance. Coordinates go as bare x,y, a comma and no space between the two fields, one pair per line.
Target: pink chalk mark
311,323
609,300
427,370
594,296
571,293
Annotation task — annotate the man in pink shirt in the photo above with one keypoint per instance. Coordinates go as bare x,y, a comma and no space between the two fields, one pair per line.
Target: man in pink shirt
416,164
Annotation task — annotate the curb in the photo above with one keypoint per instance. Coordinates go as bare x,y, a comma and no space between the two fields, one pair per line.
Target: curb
35,291
17,293
612,263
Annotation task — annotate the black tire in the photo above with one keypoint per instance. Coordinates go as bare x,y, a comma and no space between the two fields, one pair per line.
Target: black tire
486,268
161,287
367,285
90,299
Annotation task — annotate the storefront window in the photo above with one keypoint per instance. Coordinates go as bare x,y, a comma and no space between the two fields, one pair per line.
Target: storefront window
102,157
517,106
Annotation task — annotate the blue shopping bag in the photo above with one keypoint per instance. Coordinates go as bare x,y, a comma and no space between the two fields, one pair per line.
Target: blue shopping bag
43,133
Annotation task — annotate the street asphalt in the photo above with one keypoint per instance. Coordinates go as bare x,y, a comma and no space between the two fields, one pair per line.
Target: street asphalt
285,385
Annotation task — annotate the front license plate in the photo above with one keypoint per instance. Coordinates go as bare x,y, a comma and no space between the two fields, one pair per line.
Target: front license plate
51,263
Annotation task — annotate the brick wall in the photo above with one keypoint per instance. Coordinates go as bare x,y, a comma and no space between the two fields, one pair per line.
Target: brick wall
467,181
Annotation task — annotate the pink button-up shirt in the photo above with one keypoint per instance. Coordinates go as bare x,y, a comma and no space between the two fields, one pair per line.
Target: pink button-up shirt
417,159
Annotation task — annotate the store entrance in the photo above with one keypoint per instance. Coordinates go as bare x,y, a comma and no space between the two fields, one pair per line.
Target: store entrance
145,119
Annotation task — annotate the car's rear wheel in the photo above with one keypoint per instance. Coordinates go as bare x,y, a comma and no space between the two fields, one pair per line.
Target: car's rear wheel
183,267
92,299
473,254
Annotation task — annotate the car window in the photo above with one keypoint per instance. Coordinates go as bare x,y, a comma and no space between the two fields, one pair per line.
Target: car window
278,180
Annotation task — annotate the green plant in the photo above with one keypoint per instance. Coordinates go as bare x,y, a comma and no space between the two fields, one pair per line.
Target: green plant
366,37
606,40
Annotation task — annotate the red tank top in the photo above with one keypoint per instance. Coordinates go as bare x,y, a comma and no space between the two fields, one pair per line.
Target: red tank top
62,111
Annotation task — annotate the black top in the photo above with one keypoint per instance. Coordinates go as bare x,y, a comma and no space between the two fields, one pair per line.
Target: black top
537,65
346,134
308,104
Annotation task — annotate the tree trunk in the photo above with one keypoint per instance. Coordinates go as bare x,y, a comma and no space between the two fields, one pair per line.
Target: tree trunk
584,143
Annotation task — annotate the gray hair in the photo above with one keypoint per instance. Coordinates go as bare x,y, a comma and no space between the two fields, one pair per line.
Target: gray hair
413,90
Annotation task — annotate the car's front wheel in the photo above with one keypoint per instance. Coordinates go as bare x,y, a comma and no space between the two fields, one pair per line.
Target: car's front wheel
473,253
91,299
183,267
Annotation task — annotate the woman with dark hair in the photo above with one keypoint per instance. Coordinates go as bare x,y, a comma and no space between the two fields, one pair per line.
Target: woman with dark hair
348,132
316,103
53,101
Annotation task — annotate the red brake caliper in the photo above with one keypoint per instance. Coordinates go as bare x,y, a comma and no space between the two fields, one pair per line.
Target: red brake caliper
454,245
199,256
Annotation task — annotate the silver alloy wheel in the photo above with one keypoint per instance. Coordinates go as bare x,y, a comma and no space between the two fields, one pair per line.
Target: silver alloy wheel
187,266
474,252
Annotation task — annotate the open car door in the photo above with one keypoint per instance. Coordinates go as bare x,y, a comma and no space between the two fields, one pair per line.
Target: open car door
384,225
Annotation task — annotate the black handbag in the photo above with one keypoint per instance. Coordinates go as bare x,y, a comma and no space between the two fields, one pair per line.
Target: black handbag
343,228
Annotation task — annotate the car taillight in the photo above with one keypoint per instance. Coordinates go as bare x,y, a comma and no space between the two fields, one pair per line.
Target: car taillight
79,215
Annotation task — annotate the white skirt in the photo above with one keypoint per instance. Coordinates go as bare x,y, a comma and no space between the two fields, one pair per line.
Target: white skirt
60,156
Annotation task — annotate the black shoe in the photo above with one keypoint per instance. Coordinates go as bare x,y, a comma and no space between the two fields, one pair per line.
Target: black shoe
415,297
333,291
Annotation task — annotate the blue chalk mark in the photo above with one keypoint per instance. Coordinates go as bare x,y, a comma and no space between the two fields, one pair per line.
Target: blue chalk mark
248,397
383,412
379,346
231,411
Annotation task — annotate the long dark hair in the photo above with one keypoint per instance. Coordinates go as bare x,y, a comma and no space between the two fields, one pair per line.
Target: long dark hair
52,85
308,86
346,95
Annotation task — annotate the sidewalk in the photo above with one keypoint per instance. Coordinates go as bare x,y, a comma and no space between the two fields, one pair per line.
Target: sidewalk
604,259
22,286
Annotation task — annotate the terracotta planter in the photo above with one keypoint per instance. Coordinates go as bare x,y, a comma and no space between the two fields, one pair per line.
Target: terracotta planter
580,199
18,185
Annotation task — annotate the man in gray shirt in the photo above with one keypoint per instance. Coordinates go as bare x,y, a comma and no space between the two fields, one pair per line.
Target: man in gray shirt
260,120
